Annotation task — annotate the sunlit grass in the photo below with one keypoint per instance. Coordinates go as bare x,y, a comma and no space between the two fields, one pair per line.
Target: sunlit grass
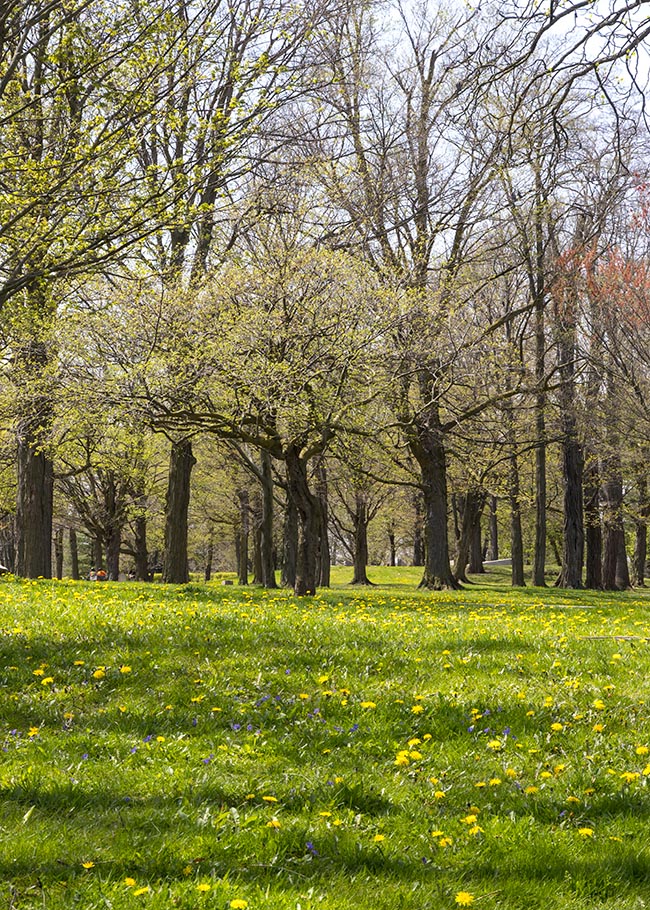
379,748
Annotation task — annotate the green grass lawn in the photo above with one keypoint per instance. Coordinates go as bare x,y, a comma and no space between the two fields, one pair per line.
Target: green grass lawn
212,746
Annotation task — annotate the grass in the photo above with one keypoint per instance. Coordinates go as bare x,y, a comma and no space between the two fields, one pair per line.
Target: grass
211,746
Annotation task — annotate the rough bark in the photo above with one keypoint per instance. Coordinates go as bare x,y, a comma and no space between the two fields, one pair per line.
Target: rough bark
266,529
35,487
289,542
256,514
243,533
475,566
572,455
309,523
615,569
208,558
58,552
470,506
113,538
74,554
33,505
516,537
98,553
593,529
428,448
539,299
493,551
392,553
418,538
175,564
360,528
324,556
641,532
141,554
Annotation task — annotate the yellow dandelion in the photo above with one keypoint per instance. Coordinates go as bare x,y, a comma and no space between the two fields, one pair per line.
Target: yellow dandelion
139,891
238,904
586,832
557,727
269,799
417,709
368,704
378,838
642,750
130,882
125,669
203,887
88,865
495,744
464,899
274,823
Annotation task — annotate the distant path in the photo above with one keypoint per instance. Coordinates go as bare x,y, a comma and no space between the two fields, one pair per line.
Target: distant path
497,562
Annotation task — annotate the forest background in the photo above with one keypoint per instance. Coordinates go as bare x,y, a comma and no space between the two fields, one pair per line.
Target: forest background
291,283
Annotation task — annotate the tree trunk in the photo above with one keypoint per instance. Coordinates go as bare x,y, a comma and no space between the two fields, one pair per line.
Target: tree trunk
58,552
175,564
33,507
35,488
615,571
539,298
470,508
429,451
208,557
113,526
539,557
418,539
324,558
98,553
309,523
74,554
113,543
289,542
243,536
475,566
641,528
493,551
593,529
572,456
256,514
392,558
141,557
360,554
266,536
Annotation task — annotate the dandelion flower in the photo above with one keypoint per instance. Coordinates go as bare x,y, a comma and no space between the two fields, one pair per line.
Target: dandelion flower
464,899
417,709
203,887
586,832
130,882
125,669
378,838
238,904
88,865
141,891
